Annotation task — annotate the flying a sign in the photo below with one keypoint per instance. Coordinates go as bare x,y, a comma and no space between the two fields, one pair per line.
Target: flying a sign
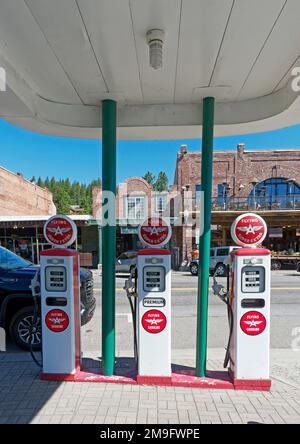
248,230
154,232
60,231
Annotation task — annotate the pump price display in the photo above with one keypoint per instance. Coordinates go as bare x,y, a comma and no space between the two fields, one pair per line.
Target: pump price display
154,232
248,230
154,321
253,323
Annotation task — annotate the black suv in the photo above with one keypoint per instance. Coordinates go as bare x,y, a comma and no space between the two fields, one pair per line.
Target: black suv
16,301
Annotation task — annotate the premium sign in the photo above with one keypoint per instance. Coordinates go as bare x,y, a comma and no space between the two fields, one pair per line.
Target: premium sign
154,302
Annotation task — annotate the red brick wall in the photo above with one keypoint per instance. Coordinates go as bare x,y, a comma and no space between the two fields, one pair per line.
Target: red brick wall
238,168
19,197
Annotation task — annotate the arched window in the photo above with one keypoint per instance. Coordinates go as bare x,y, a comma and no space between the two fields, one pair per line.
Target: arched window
276,192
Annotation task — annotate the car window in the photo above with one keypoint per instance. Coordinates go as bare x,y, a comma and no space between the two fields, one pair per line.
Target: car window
10,261
212,252
222,251
122,256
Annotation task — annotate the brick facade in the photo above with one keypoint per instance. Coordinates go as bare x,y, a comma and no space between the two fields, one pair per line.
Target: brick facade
19,197
133,186
238,168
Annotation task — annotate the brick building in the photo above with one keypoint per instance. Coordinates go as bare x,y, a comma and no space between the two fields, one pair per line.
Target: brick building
18,196
267,182
135,200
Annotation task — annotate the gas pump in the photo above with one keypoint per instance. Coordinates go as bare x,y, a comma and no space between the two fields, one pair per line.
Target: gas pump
153,313
248,301
60,300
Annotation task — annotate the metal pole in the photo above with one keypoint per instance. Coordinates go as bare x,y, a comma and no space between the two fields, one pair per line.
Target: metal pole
204,251
109,125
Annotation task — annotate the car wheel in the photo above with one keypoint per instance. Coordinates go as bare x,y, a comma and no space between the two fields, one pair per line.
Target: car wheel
298,267
20,330
221,270
275,265
194,269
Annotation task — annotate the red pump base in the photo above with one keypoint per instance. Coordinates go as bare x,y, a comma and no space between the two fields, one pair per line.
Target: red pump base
179,378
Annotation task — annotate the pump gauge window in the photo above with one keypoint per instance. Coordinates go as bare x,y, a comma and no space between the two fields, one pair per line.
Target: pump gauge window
154,279
56,278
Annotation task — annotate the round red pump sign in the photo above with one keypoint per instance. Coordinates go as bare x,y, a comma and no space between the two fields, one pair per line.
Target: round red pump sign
253,323
154,321
248,230
60,231
57,320
154,232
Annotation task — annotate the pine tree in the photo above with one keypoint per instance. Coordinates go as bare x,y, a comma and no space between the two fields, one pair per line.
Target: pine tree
149,177
161,183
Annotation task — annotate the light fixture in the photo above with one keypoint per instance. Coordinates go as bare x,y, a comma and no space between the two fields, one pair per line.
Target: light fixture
155,40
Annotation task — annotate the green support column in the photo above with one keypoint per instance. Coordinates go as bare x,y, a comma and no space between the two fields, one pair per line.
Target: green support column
203,278
109,125
100,244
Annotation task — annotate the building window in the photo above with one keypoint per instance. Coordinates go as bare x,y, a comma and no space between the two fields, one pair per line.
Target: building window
223,190
160,203
276,193
135,206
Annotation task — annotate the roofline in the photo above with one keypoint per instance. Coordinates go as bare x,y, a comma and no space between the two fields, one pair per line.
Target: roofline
25,180
40,218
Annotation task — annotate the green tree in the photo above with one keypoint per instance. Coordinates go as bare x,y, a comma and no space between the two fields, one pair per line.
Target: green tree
149,177
62,201
161,183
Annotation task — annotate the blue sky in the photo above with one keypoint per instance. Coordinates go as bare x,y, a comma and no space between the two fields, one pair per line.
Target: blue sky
40,155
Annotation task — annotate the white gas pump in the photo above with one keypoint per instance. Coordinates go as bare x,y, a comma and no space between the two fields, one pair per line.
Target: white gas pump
60,300
154,303
250,347
248,299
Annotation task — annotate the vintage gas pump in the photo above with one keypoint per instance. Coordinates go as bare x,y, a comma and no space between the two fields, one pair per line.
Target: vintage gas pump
60,300
154,302
249,299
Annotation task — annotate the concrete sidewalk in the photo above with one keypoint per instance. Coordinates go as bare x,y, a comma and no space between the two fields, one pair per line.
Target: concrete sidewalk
26,399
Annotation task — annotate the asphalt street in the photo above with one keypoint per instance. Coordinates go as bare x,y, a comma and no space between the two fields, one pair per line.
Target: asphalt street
285,315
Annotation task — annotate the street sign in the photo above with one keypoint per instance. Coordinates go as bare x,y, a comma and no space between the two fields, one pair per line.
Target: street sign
248,230
60,231
154,321
253,323
154,232
57,320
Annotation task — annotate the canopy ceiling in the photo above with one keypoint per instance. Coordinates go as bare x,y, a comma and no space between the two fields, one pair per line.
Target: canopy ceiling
63,57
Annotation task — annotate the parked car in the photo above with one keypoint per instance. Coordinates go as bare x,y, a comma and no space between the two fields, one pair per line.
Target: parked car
16,302
218,255
126,261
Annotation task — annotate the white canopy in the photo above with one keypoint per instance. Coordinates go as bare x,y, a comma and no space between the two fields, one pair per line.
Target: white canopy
63,57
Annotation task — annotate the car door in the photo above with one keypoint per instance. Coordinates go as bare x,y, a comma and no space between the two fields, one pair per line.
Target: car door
222,254
212,261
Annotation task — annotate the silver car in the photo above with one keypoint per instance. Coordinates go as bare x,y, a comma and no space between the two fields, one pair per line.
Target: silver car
126,261
218,255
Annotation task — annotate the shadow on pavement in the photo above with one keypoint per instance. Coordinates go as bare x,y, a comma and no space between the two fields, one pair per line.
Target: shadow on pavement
22,393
